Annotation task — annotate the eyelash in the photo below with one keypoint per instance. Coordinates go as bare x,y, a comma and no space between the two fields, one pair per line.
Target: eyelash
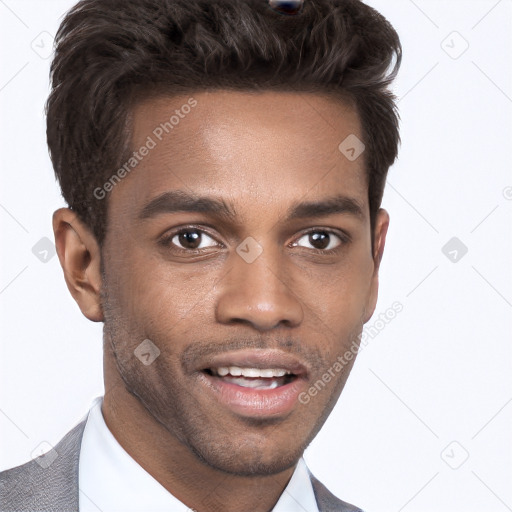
343,237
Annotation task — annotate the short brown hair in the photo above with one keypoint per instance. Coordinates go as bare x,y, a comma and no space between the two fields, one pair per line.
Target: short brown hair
109,53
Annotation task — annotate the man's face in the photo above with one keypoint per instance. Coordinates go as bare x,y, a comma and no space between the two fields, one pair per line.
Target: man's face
258,281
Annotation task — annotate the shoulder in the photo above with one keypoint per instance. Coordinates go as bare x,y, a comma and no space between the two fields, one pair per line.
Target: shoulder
327,502
49,482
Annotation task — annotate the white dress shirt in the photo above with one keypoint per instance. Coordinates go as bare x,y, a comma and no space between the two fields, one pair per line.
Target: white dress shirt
111,481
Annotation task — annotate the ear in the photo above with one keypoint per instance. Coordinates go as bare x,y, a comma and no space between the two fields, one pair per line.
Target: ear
80,258
381,229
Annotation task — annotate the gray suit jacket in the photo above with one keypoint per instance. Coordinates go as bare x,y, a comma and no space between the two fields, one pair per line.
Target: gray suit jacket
41,487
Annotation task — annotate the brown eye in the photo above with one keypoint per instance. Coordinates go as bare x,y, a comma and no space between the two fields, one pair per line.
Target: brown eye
192,239
320,240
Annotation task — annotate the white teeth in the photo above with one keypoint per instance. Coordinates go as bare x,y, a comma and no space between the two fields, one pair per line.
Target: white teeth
255,384
237,371
280,373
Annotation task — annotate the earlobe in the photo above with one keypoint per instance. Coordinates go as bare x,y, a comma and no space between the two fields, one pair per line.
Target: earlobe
80,259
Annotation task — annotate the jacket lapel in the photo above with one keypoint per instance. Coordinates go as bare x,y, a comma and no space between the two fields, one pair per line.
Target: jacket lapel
326,501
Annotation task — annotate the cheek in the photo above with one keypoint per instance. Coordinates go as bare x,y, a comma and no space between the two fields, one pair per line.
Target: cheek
339,292
338,300
163,293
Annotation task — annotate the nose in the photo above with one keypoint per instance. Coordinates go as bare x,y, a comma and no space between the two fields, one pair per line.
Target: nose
259,294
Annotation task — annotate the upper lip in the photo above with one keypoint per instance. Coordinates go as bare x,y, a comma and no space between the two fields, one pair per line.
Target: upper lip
258,358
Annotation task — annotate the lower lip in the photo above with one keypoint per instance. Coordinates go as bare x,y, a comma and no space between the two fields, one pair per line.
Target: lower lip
256,403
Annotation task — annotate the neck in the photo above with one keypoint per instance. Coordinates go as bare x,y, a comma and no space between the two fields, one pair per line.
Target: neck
199,486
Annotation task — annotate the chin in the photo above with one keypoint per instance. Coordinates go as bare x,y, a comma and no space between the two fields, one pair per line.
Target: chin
248,460
248,448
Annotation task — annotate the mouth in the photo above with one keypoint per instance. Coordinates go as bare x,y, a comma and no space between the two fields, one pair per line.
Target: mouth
262,383
254,378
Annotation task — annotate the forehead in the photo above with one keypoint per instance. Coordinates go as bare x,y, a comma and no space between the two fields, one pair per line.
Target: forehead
273,147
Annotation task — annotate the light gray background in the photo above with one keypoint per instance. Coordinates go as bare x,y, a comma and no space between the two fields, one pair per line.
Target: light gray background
433,387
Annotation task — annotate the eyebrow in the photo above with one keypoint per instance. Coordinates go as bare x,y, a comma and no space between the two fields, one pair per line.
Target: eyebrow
330,206
180,201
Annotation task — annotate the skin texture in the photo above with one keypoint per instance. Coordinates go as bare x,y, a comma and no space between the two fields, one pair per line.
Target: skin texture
260,153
